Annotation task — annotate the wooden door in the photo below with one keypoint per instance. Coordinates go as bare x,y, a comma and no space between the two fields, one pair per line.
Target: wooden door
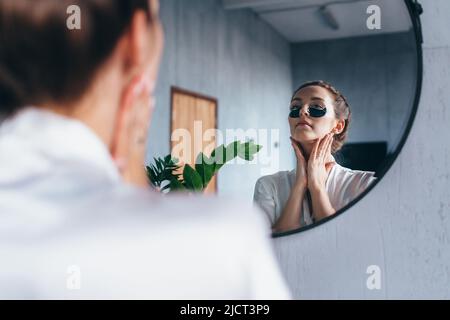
195,113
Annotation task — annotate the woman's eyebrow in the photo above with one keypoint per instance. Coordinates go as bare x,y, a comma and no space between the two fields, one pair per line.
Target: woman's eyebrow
313,98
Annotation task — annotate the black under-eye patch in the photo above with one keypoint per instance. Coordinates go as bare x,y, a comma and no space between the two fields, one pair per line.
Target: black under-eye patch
314,111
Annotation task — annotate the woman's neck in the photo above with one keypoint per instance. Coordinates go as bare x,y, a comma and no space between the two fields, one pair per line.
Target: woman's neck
307,149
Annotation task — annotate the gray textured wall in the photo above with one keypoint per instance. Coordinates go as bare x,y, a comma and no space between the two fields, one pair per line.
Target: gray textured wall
376,74
403,224
235,57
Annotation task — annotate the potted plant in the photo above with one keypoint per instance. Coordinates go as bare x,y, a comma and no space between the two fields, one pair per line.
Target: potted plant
162,174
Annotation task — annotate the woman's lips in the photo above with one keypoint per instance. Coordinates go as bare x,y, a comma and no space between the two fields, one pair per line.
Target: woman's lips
303,125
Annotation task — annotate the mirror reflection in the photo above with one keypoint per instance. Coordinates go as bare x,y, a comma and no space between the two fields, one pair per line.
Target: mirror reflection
318,186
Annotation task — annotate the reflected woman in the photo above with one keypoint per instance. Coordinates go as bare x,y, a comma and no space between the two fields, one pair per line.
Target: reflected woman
319,119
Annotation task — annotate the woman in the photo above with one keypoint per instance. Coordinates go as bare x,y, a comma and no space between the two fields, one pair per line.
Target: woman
74,196
319,119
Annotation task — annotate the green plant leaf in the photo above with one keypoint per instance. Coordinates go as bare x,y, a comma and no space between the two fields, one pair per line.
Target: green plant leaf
152,176
176,185
247,150
205,167
163,169
218,154
219,157
232,151
192,178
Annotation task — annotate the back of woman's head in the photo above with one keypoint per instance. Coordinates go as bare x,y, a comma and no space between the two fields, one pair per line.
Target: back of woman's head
42,60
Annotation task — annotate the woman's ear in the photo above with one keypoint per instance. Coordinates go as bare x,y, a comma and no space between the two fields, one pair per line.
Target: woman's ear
340,126
142,47
135,46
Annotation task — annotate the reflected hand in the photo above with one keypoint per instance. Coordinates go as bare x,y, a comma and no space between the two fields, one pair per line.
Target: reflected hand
319,165
301,174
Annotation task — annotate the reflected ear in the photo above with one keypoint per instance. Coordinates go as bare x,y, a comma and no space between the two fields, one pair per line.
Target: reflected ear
340,126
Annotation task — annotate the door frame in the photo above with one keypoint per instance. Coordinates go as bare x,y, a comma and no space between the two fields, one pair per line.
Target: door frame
173,91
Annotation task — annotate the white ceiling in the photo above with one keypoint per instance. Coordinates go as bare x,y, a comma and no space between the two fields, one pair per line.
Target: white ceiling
300,20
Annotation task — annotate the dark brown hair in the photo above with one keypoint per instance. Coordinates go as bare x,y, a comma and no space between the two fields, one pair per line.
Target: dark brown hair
341,108
41,60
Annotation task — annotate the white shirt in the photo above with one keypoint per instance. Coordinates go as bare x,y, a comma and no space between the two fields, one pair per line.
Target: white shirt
69,227
343,185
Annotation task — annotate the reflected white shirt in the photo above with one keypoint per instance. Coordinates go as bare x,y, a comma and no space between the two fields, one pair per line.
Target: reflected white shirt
70,229
343,185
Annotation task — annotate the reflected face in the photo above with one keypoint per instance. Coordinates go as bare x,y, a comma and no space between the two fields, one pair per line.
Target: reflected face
307,128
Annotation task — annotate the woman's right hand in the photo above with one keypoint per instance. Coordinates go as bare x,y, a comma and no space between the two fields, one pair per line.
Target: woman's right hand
131,137
291,216
301,174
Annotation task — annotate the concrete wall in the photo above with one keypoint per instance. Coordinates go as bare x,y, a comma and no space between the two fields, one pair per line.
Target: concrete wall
403,224
375,73
238,59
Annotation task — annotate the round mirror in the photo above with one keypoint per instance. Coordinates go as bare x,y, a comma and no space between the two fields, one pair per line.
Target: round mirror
300,106
357,65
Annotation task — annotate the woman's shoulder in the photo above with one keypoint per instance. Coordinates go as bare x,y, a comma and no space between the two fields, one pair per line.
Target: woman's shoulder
358,177
276,184
275,177
347,184
354,172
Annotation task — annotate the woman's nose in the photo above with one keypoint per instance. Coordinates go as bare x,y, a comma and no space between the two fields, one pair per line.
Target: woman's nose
304,111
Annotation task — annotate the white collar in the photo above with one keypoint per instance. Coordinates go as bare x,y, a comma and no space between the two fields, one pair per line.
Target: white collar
33,132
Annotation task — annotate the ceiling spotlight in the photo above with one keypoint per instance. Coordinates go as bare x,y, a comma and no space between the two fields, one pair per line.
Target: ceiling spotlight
329,17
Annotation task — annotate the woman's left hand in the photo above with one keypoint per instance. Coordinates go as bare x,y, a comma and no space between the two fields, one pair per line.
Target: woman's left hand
318,164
